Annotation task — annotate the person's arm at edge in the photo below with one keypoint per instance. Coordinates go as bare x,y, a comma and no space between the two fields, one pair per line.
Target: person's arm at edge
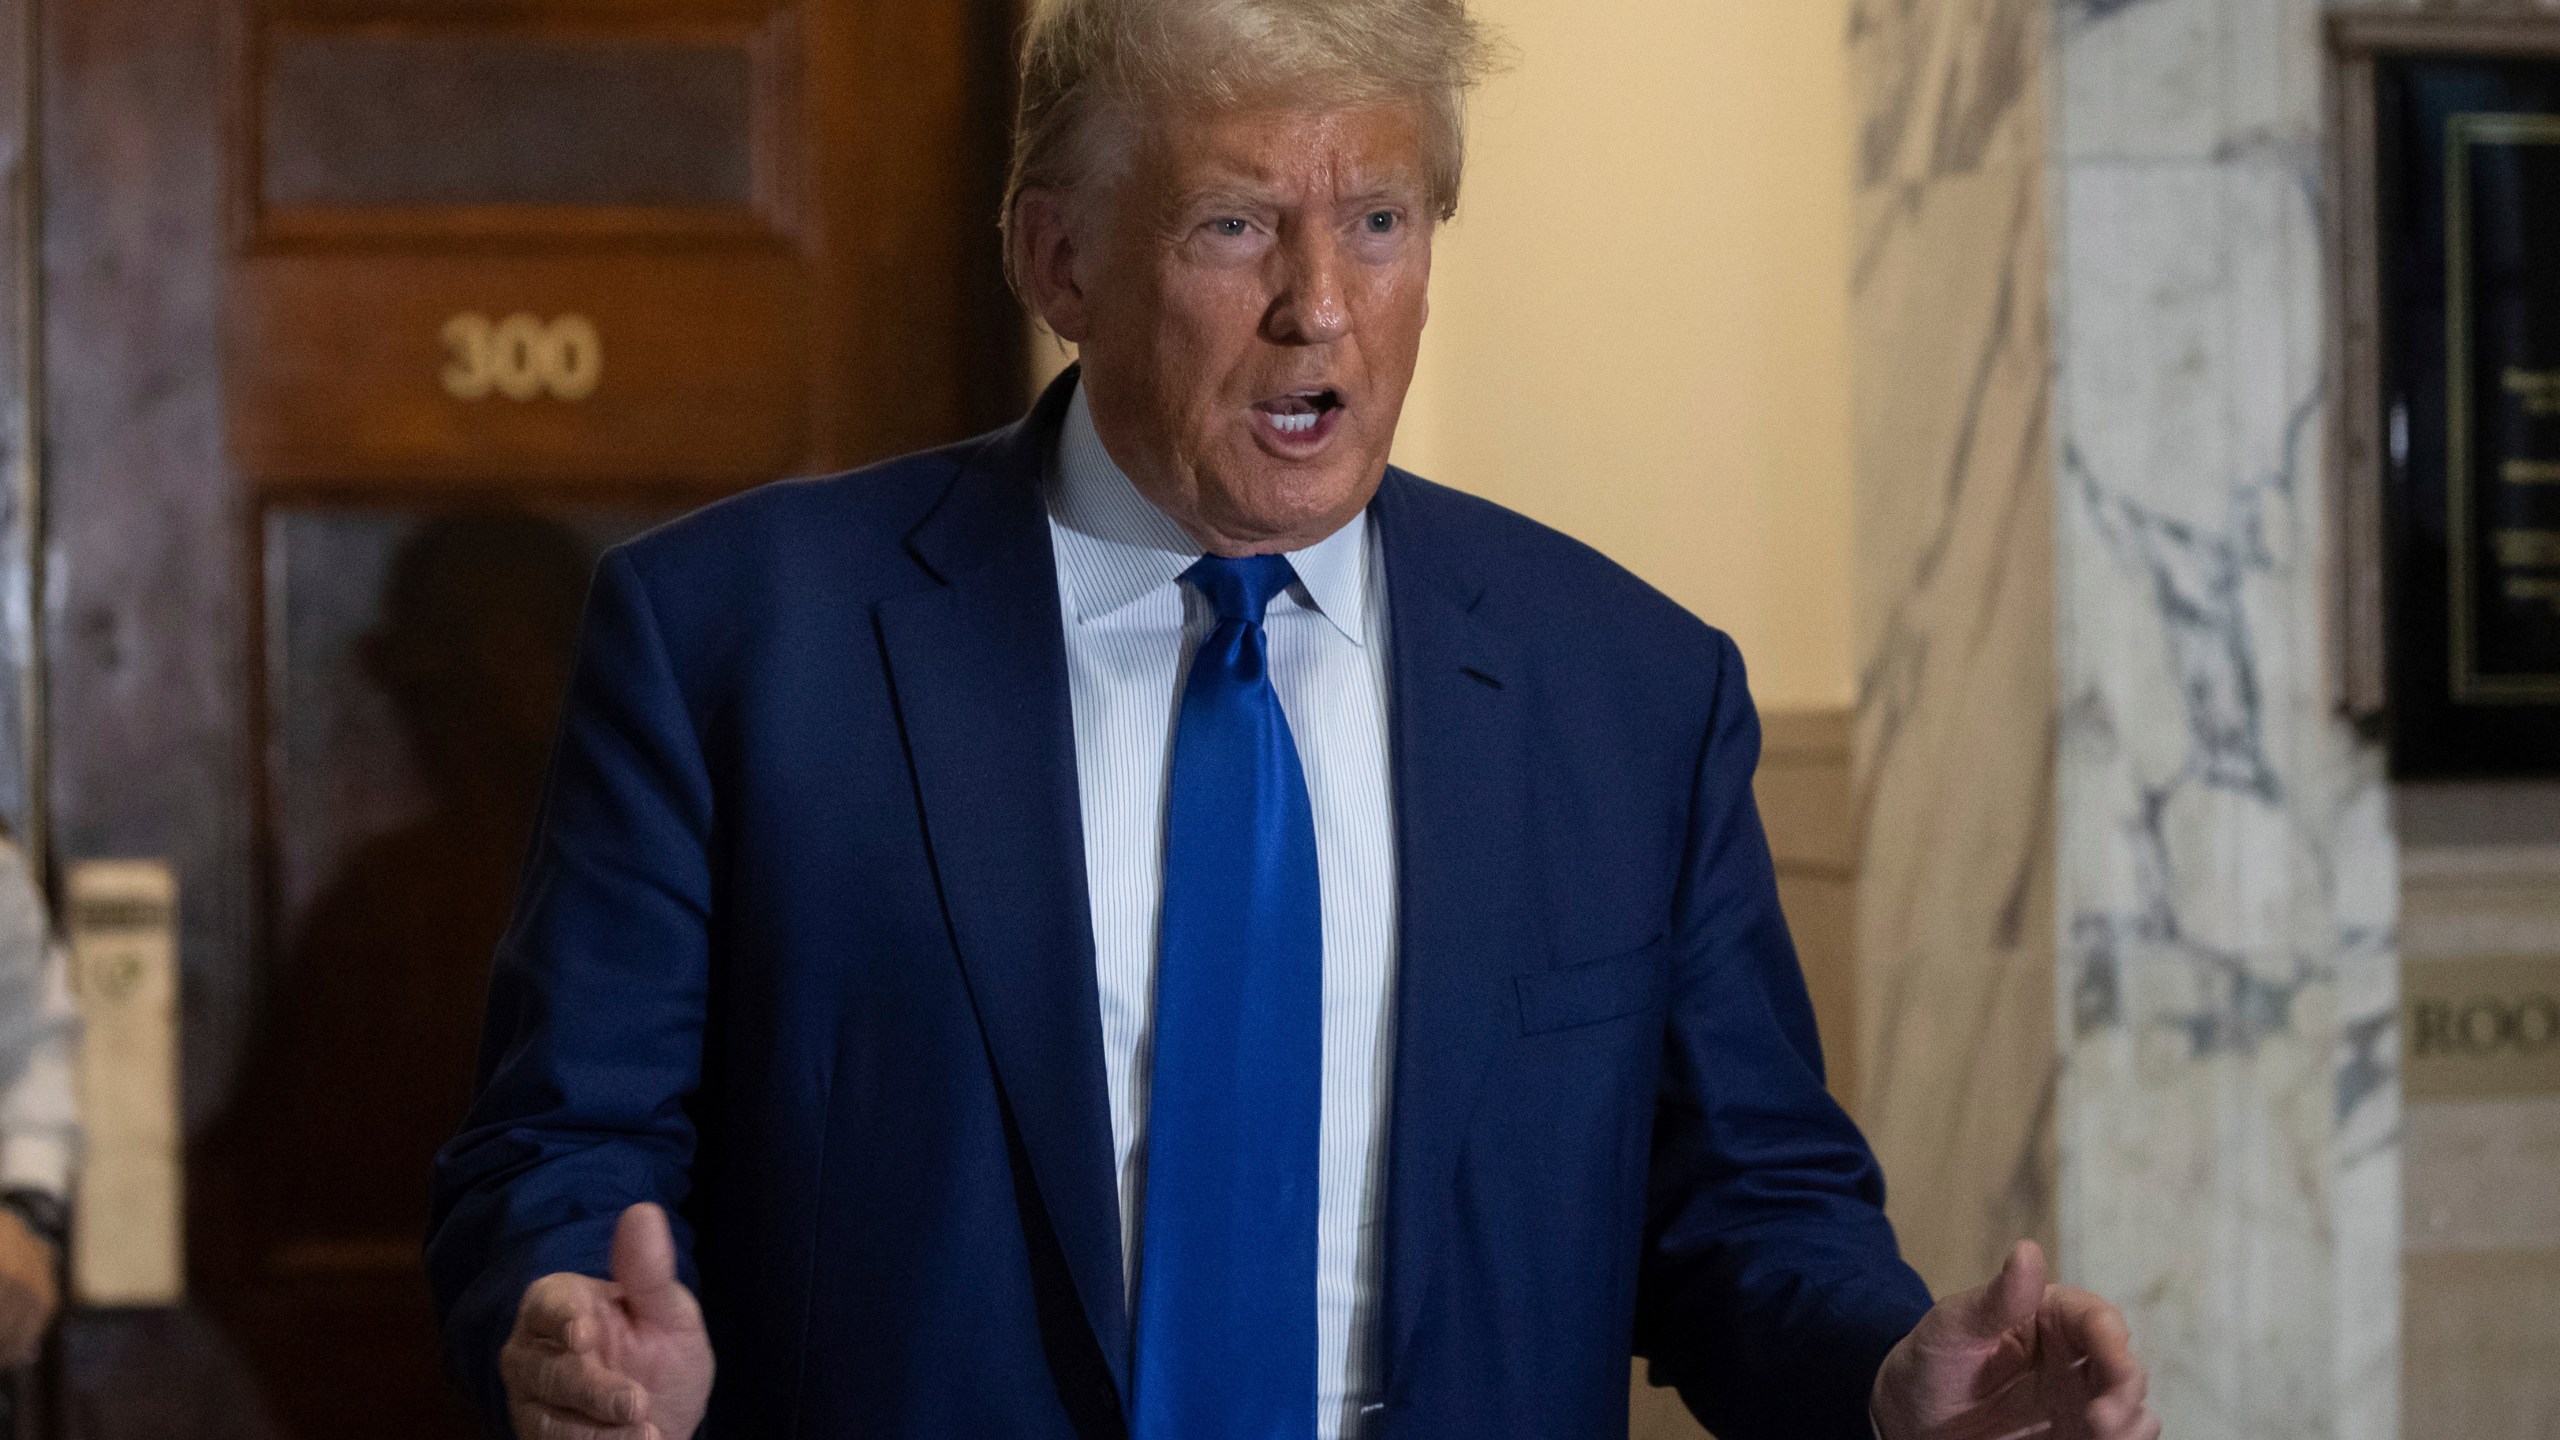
1771,1287
39,1148
40,1112
596,1006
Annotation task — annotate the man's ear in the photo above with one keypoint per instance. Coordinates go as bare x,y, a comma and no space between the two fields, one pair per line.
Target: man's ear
1047,259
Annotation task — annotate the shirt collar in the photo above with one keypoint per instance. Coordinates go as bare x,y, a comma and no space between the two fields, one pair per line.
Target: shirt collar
1117,547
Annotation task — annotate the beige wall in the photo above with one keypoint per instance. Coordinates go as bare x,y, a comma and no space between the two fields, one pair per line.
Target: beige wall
1639,324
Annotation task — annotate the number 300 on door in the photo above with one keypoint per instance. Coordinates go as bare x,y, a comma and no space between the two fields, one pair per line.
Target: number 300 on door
522,357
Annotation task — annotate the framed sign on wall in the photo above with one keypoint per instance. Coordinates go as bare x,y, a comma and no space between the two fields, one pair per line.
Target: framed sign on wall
2449,448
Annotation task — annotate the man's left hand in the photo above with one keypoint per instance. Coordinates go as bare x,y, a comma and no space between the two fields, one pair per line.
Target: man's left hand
2016,1358
28,1294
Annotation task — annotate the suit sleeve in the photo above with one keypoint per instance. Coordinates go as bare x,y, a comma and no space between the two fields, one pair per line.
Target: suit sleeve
592,1050
1771,1285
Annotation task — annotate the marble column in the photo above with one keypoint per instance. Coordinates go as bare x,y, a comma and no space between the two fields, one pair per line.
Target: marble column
2127,886
1953,742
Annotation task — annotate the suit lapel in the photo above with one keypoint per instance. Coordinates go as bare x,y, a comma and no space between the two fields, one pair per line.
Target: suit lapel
979,670
1466,883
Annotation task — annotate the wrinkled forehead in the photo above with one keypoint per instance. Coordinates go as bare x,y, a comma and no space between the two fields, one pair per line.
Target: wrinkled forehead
1277,152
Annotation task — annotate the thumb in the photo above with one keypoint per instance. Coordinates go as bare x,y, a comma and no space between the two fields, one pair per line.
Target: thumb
2009,1302
644,1265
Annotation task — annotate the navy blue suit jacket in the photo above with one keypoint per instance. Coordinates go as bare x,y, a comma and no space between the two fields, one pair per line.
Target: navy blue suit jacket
803,954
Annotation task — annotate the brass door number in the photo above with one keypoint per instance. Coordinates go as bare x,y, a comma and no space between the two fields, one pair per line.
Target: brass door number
522,357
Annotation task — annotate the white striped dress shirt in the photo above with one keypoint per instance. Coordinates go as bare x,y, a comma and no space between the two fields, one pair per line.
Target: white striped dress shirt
1131,628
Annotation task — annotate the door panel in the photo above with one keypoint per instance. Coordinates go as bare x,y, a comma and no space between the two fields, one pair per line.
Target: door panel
406,371
444,123
371,117
376,320
415,662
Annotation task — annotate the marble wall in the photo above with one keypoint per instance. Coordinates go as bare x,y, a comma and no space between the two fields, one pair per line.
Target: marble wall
1954,735
2229,1131
2127,888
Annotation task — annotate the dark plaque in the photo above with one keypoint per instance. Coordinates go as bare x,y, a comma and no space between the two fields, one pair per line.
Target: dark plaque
2469,188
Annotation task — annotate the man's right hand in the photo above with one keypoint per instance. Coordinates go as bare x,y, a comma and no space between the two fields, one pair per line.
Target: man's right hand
619,1359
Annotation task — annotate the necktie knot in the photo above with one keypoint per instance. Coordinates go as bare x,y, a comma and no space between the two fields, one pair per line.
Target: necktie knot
1241,588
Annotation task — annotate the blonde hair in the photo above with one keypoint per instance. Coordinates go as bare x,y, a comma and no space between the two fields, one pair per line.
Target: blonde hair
1083,59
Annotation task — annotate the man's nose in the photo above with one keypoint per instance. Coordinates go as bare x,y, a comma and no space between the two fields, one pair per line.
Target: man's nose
1308,307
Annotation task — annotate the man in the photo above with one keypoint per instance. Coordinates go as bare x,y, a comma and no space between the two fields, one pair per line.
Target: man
1154,923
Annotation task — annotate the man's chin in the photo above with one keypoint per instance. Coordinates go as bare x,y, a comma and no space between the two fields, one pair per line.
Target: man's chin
1290,508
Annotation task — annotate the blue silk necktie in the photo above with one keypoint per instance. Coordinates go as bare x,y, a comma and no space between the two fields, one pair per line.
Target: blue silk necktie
1226,1313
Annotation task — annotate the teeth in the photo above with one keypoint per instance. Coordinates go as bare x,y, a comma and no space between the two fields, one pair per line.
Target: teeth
1294,424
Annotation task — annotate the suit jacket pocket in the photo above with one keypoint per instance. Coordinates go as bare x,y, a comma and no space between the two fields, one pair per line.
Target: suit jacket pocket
1596,990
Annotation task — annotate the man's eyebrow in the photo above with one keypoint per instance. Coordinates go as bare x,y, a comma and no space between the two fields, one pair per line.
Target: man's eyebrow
1235,195
1398,188
1240,193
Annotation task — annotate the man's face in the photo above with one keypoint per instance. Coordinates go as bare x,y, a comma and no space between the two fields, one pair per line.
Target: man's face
1249,296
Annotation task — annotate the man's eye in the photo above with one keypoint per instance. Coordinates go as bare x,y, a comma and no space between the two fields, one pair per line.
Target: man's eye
1230,227
1381,222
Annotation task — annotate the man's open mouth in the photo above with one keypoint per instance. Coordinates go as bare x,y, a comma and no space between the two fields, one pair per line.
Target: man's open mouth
1300,412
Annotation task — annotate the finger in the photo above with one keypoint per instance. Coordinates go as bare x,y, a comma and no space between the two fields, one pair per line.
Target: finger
644,1265
563,1312
2096,1331
544,1422
2116,1417
2009,1302
578,1384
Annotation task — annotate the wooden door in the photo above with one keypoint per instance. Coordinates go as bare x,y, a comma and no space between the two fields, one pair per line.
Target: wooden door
480,286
